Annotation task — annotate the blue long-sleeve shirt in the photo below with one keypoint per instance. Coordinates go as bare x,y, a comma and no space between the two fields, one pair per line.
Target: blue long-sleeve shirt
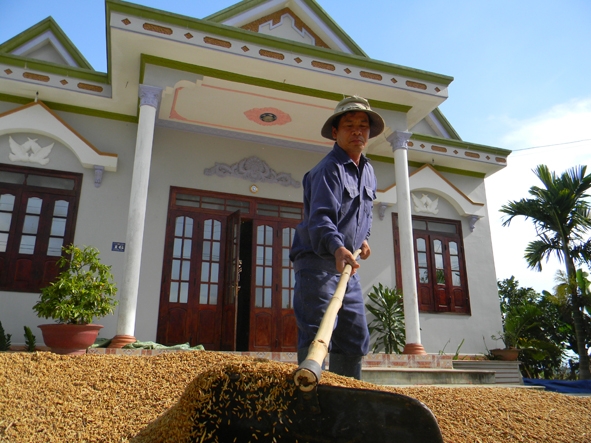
338,210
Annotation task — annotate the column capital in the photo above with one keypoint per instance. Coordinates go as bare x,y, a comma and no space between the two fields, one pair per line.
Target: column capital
399,139
150,95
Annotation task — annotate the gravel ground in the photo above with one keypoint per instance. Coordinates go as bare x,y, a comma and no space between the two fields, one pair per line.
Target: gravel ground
96,398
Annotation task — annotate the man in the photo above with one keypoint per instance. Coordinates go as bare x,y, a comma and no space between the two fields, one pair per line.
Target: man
338,207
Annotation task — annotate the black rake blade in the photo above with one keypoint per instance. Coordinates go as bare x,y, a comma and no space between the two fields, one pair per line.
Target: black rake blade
331,414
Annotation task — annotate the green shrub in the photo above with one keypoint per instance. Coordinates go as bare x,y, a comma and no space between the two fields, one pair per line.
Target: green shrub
388,324
4,339
30,341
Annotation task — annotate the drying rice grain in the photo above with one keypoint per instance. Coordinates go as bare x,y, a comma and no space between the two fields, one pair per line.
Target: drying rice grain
50,398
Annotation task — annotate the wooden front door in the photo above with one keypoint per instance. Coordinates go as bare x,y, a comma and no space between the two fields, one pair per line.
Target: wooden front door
272,320
191,300
227,281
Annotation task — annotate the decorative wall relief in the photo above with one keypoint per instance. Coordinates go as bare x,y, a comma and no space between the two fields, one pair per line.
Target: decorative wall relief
472,219
29,151
425,204
382,208
252,169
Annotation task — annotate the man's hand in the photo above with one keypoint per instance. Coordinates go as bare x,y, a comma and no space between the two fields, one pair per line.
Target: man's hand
365,250
344,257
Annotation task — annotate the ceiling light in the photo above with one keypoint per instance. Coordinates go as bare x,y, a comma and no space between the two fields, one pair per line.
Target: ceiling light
268,117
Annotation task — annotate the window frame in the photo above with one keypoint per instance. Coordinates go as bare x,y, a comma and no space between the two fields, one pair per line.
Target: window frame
43,268
431,294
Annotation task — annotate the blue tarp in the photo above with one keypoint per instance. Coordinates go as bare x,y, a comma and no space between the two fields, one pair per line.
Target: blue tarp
564,386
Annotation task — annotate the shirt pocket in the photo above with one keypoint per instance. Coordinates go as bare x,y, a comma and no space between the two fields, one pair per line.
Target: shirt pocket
350,193
369,196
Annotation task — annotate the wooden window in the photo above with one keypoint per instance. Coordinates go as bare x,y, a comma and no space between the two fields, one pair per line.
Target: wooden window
440,267
210,262
264,267
181,260
37,217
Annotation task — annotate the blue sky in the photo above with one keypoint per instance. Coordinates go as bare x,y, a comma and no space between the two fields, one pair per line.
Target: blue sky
521,72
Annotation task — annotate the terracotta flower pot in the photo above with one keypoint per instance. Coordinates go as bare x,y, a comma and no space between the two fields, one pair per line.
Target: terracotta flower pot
506,354
69,339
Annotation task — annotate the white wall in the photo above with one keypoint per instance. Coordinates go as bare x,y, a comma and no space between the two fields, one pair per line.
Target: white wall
102,212
445,331
179,159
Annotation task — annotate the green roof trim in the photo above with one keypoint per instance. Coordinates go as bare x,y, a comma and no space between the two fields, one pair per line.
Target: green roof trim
446,124
245,5
54,68
44,25
270,41
413,164
73,109
255,81
461,144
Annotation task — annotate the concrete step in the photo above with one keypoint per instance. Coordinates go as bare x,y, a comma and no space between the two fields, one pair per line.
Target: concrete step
506,372
427,376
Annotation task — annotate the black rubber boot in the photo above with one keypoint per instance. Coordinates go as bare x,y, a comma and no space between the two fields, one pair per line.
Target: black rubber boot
347,365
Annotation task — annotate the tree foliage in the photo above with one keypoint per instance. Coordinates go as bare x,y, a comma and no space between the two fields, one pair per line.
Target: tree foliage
560,212
532,323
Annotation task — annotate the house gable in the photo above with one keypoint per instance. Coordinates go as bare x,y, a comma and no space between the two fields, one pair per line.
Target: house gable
427,179
37,118
45,42
303,21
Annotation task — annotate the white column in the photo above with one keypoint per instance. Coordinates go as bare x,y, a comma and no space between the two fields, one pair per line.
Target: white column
399,140
149,99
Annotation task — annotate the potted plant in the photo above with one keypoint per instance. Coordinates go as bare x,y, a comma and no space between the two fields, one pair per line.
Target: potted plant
83,290
509,353
518,321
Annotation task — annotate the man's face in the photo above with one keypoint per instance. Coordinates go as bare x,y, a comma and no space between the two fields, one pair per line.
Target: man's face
353,132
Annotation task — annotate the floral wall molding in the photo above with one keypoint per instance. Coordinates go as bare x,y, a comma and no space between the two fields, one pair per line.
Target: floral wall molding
252,169
425,204
29,151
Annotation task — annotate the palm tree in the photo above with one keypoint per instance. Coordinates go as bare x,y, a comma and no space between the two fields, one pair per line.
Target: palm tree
560,213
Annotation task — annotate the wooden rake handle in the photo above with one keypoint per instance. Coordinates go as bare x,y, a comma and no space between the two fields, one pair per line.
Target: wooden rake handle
308,374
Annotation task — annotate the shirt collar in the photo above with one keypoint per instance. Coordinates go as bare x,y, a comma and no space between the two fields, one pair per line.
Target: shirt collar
344,157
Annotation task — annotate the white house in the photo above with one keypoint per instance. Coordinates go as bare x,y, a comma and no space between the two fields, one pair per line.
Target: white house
183,164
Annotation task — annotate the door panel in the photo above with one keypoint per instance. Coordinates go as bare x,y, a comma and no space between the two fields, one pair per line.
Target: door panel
273,326
263,331
288,332
205,328
176,327
191,281
424,277
232,273
458,300
262,304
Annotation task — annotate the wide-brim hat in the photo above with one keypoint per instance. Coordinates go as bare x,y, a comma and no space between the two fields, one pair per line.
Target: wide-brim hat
355,104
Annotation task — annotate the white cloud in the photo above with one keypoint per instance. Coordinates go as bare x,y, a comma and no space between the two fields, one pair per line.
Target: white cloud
568,122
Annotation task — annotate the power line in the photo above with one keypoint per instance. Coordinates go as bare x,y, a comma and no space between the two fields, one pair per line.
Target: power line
555,144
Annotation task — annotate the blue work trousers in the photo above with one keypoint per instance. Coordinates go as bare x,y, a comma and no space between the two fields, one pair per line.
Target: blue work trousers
312,293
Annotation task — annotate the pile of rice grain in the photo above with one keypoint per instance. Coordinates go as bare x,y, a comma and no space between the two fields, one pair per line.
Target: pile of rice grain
96,398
